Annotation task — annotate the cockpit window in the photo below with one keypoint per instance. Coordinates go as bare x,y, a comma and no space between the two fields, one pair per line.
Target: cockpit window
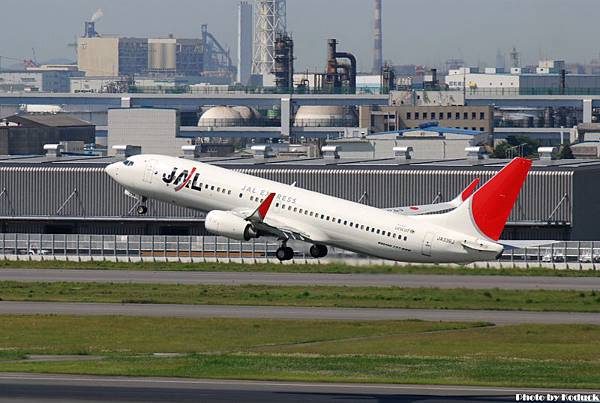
128,163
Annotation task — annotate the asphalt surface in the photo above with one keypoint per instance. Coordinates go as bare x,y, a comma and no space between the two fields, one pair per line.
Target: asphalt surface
304,279
78,388
276,312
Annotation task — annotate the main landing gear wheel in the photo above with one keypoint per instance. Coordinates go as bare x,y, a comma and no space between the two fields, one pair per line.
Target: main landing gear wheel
284,253
141,210
318,251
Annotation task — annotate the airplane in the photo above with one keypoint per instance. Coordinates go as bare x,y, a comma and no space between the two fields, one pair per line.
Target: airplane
242,207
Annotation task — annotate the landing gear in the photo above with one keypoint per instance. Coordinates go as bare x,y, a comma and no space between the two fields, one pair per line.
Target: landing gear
142,208
318,251
284,253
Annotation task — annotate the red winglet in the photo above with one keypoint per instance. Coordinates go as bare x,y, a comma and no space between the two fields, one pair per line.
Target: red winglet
493,202
469,189
264,206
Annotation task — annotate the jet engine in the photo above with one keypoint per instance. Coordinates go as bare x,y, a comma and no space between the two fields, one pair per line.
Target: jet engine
229,225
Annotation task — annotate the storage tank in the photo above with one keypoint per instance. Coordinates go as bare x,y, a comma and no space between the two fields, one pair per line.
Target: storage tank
249,115
220,116
162,54
325,116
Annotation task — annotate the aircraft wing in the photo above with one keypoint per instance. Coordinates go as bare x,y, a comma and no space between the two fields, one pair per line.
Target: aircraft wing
291,229
278,226
437,207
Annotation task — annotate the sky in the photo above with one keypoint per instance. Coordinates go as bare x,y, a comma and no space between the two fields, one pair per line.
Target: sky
414,31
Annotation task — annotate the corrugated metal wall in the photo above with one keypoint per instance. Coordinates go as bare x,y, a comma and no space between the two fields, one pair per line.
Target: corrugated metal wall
541,194
40,191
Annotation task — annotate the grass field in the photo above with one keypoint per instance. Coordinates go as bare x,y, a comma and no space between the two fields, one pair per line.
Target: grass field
389,351
295,268
320,296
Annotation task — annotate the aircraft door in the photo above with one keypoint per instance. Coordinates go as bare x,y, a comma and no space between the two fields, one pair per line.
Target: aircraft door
149,171
426,247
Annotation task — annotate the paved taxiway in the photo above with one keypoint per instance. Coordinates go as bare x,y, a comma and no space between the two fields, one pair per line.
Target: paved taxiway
79,388
277,312
304,279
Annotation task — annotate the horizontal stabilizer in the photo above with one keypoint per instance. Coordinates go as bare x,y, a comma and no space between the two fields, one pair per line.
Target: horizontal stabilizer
437,207
512,244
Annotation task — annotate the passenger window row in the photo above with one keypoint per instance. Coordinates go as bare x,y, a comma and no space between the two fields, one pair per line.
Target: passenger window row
214,188
341,222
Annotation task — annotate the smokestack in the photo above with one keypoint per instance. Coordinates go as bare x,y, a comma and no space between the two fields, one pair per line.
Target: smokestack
377,38
244,48
90,30
90,26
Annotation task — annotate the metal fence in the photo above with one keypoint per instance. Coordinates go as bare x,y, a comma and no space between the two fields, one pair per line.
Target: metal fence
80,247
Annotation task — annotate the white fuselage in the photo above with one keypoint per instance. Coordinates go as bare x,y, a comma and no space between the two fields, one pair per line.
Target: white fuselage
327,220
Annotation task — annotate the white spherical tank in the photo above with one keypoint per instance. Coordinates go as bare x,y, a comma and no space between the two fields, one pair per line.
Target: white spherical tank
220,116
248,114
324,116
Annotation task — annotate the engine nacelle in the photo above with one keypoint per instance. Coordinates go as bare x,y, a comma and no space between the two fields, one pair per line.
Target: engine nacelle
229,225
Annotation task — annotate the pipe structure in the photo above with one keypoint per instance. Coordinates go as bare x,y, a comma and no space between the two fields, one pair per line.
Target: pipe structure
352,72
333,78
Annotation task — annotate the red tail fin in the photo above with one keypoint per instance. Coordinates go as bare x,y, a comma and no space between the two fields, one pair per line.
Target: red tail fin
492,203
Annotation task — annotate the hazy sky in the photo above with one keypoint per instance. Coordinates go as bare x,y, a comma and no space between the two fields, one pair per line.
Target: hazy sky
415,31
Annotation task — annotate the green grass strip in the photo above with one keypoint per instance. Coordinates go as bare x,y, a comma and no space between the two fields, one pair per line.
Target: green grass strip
314,296
559,356
296,268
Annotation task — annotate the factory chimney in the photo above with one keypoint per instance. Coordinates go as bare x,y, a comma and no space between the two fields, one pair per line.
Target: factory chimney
377,39
90,26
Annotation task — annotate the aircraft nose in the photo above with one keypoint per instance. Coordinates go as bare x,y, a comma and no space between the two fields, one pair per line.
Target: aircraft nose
113,170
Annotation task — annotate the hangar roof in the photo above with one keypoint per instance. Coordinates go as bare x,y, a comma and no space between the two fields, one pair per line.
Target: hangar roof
239,162
47,120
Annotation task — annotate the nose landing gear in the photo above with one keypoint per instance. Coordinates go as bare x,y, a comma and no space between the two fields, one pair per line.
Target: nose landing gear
142,208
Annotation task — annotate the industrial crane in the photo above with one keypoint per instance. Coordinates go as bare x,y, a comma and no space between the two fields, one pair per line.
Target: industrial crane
9,58
24,62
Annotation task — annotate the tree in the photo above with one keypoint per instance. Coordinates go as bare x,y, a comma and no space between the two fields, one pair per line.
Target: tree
516,146
566,153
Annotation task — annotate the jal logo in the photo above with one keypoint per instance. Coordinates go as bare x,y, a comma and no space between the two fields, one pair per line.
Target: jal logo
183,179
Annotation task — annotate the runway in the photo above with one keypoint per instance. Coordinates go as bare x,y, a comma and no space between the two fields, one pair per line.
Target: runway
279,312
79,388
304,279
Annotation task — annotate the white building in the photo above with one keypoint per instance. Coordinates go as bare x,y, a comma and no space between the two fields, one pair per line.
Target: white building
155,130
550,66
426,144
472,79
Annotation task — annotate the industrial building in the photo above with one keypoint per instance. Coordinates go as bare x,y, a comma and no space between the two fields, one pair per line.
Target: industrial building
390,118
550,77
73,194
36,80
177,56
26,134
112,56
